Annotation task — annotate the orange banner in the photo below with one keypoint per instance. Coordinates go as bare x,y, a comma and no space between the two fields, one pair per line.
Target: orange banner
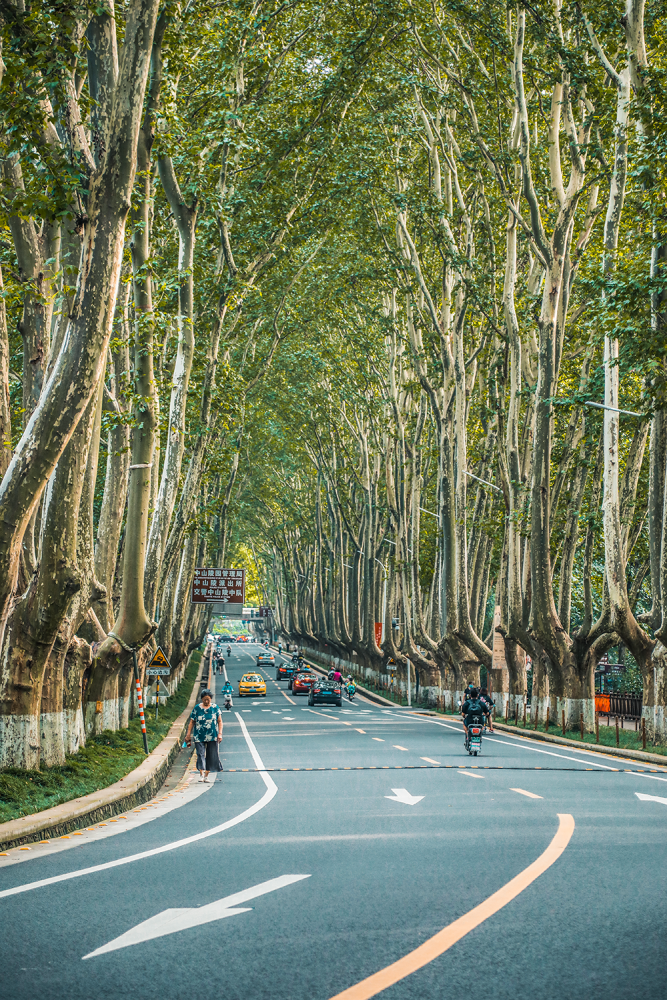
378,632
602,703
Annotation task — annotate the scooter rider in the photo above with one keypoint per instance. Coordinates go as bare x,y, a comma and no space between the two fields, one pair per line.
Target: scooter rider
473,710
227,691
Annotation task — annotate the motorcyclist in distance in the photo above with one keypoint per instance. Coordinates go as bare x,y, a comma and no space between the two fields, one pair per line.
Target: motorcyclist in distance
473,710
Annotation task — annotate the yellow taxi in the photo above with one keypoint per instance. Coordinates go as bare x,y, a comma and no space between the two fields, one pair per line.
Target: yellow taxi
252,684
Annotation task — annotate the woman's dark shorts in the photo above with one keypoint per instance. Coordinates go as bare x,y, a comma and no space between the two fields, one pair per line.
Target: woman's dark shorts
208,758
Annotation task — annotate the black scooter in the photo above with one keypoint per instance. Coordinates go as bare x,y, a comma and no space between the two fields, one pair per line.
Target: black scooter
473,740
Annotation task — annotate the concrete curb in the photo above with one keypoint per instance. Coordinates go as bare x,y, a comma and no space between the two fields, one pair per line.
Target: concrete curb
135,788
371,695
640,755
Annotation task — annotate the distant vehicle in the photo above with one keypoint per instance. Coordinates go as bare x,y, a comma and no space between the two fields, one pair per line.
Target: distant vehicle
252,684
302,682
284,671
265,659
324,690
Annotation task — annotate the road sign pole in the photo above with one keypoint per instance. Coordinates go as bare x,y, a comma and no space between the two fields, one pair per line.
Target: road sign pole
140,700
157,697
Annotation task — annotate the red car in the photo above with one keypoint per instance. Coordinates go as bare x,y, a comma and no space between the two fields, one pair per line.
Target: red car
303,682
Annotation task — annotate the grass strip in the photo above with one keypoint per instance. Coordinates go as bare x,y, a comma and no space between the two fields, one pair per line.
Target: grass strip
628,739
104,759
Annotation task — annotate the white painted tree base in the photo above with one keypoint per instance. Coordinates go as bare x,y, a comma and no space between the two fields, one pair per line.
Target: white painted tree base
573,707
20,744
538,709
52,733
75,735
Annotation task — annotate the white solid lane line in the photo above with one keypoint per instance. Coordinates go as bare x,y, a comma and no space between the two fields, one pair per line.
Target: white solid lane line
271,789
529,795
524,746
188,790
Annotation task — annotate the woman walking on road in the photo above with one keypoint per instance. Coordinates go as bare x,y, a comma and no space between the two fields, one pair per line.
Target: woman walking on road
206,719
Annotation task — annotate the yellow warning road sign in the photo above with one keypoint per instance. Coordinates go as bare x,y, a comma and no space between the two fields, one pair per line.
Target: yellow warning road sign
159,665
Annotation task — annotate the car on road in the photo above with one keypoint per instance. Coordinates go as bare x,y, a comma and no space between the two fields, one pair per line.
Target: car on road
266,659
324,690
285,670
252,684
302,682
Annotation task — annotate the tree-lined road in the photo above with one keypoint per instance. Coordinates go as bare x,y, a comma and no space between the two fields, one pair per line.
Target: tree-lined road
376,843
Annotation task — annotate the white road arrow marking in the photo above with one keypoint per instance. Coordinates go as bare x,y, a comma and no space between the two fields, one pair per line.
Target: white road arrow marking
180,919
403,795
651,798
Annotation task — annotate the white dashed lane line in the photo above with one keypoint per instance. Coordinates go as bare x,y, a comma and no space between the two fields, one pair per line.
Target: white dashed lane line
522,791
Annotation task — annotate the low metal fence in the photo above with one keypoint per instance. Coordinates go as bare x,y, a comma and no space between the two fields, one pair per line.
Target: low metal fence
626,706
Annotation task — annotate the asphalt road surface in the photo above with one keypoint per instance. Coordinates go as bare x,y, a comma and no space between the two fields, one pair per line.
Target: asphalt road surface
354,852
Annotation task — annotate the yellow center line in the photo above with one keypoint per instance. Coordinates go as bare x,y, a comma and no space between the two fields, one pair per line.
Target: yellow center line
449,936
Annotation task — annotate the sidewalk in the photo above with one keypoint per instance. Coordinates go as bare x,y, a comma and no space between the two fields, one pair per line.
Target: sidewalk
134,789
